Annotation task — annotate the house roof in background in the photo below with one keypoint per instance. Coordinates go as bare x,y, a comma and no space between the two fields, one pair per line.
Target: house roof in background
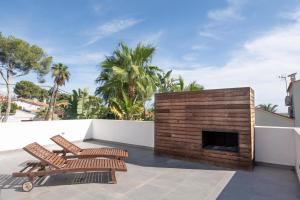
277,114
3,99
33,102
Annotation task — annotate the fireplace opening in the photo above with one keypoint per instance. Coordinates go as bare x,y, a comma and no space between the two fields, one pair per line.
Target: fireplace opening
222,141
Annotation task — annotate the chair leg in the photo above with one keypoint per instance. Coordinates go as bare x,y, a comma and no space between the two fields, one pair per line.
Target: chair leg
113,177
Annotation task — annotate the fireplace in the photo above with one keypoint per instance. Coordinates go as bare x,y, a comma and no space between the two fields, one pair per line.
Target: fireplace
214,126
220,141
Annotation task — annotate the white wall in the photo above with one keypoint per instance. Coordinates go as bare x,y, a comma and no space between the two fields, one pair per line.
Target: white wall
130,132
19,134
297,139
278,145
296,102
265,118
21,115
27,106
275,145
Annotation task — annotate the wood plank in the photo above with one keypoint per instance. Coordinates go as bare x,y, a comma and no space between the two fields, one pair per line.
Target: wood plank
181,117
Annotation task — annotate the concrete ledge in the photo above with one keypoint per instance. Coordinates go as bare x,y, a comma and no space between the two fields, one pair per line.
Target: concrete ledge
275,165
119,143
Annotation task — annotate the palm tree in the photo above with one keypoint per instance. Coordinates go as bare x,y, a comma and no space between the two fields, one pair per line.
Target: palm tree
60,74
180,85
125,108
165,82
193,86
268,107
128,70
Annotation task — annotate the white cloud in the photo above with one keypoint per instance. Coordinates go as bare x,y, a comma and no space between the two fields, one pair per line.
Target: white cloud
110,28
190,57
97,7
198,47
207,32
218,18
257,64
3,90
292,15
81,58
152,38
185,62
231,12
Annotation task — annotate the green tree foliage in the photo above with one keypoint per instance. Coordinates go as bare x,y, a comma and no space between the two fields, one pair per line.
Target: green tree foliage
61,75
165,82
29,90
128,80
126,108
180,86
83,106
13,109
127,70
18,58
194,86
44,94
128,73
268,107
62,96
41,115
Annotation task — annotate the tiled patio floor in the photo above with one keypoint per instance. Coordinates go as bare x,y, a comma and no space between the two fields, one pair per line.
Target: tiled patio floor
151,177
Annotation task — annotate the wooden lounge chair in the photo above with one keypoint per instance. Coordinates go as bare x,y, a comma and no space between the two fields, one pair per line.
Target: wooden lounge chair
69,147
51,163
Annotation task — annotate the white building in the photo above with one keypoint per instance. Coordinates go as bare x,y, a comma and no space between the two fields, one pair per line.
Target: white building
293,101
266,118
30,105
21,116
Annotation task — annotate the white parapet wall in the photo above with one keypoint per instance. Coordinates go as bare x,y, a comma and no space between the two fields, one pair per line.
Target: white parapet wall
19,134
278,145
123,131
275,145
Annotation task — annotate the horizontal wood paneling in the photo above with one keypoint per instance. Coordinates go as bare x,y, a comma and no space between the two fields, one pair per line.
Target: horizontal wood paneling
180,118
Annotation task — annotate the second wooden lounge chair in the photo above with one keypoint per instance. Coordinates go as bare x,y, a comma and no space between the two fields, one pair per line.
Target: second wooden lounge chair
51,163
69,147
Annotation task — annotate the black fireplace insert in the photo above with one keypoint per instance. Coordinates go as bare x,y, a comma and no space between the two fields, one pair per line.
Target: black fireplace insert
221,141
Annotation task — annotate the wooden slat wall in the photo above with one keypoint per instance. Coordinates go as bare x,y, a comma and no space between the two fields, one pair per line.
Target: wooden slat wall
180,118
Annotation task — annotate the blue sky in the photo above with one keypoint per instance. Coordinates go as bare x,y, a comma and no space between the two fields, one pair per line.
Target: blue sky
220,43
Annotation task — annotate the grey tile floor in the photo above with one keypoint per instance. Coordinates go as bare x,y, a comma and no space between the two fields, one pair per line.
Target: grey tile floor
151,177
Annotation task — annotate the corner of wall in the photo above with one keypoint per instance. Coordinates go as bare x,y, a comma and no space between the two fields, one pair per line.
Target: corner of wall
89,133
297,159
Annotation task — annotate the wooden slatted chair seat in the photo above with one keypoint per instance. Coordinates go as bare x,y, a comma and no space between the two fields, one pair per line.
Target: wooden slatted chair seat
61,163
105,152
58,164
90,152
106,164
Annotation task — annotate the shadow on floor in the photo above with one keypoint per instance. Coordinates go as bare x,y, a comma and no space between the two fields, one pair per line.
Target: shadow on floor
145,157
262,183
10,182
